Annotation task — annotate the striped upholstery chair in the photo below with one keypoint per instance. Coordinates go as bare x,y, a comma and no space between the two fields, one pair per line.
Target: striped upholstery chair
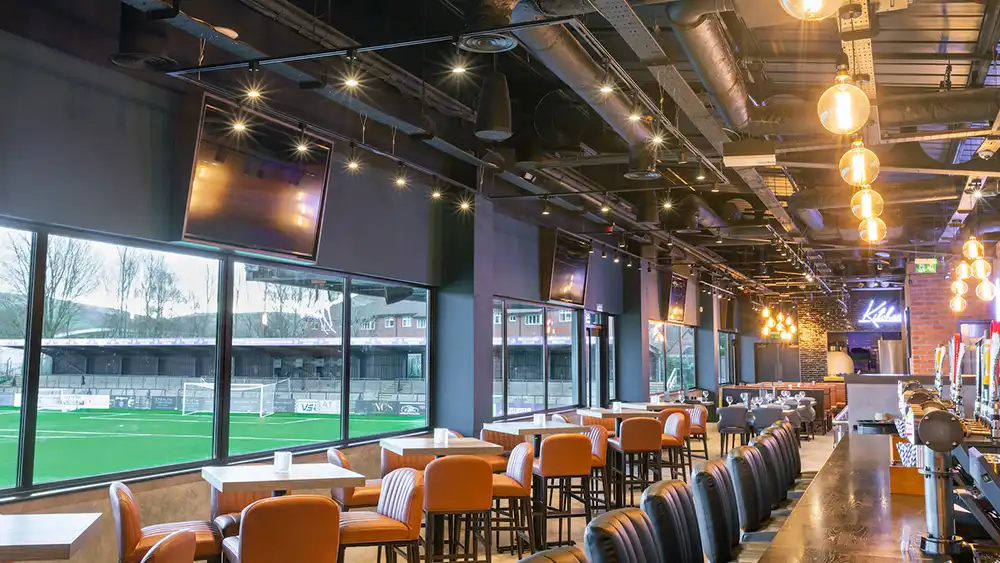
353,497
498,463
396,521
135,540
225,508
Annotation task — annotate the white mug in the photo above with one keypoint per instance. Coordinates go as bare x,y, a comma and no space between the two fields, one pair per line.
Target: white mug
440,435
538,419
655,399
282,462
616,406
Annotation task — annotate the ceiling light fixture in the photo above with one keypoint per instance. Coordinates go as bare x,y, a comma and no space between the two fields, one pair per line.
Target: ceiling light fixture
253,93
867,203
605,209
302,147
239,126
972,249
981,269
617,258
701,176
986,291
963,270
604,253
811,10
843,108
353,163
546,209
957,304
872,230
859,166
465,205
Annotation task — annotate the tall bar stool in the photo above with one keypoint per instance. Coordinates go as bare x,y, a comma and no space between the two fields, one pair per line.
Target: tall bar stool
732,425
353,497
135,540
600,493
178,547
684,429
718,515
396,521
624,535
634,454
607,423
225,508
775,473
698,430
508,441
459,488
289,528
562,459
514,486
747,470
568,554
808,415
670,508
672,443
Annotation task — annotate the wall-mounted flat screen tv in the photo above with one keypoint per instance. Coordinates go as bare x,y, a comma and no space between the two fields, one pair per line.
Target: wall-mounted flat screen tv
727,313
257,185
566,259
678,298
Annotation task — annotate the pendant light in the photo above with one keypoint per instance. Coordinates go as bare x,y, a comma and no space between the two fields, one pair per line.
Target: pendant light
957,304
843,108
859,166
765,332
963,270
770,323
765,312
986,291
959,287
811,10
972,249
981,269
867,203
872,230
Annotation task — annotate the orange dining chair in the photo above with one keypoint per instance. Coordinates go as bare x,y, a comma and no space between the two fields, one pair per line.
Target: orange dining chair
353,497
458,487
514,486
607,423
599,467
225,508
289,528
177,547
396,521
672,442
634,454
498,463
134,540
698,430
563,459
684,429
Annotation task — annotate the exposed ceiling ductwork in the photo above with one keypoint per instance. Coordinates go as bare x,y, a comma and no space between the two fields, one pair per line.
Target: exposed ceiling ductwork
839,197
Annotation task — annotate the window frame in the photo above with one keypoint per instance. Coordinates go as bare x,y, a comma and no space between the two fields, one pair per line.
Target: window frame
421,322
25,487
389,322
532,317
406,322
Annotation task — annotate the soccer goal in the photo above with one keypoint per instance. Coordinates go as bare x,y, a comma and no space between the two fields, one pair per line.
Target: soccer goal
57,400
248,398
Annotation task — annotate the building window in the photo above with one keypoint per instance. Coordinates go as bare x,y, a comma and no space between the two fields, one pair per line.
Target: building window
497,317
390,322
671,357
534,369
368,325
407,322
421,322
565,316
512,319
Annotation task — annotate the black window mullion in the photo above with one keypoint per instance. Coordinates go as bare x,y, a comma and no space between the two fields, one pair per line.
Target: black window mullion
545,358
345,352
504,379
224,361
32,361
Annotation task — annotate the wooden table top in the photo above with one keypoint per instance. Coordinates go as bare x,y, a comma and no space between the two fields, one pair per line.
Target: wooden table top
658,406
529,428
624,413
427,446
265,478
41,537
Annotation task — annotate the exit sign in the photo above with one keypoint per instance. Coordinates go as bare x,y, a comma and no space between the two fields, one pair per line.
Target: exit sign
926,265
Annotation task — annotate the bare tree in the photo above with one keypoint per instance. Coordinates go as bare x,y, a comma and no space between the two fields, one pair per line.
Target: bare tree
158,291
72,271
128,270
15,276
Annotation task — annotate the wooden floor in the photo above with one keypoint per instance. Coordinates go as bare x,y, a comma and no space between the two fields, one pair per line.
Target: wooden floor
814,455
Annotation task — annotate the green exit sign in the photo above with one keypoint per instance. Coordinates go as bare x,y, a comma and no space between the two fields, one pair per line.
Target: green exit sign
927,265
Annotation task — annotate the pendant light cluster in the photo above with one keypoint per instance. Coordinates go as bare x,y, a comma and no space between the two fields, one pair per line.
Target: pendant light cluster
777,324
974,267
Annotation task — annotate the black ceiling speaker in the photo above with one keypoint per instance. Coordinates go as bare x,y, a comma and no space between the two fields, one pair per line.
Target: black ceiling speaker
142,42
641,164
493,120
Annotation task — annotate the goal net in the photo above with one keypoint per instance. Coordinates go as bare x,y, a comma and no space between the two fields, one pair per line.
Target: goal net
57,400
246,398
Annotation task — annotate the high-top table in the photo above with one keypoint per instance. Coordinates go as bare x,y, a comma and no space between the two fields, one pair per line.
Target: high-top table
44,537
529,428
451,446
619,415
264,478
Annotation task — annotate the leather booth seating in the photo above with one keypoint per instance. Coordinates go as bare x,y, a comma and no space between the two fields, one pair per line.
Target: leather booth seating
718,515
178,547
621,536
135,540
670,508
569,554
289,528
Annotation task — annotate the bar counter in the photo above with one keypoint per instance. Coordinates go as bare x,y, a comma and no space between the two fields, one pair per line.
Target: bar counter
847,513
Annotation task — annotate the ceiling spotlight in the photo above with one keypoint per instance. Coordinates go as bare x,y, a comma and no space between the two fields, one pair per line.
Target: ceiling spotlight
617,259
239,126
604,254
465,205
605,209
718,238
809,277
656,140
302,147
629,263
436,194
607,88
715,187
459,68
701,176
253,93
592,249
546,209
634,116
977,194
400,180
649,268
682,158
621,242
353,163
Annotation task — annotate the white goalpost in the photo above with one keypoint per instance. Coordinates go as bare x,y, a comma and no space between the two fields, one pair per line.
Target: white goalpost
246,398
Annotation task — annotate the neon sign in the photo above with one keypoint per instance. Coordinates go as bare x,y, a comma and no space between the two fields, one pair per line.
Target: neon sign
879,313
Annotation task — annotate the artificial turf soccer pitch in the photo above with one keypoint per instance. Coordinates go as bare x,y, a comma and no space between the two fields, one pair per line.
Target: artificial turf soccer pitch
86,443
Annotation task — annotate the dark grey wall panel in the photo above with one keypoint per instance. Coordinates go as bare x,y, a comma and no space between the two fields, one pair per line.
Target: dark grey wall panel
515,258
604,284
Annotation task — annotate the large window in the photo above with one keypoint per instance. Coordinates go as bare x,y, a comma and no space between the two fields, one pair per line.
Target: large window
288,361
129,347
128,368
15,252
498,359
388,387
539,362
671,357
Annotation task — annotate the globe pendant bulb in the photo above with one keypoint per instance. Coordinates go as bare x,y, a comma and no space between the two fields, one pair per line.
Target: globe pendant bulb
986,291
867,203
859,166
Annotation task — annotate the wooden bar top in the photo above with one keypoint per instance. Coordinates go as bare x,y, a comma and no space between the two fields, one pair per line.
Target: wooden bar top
848,514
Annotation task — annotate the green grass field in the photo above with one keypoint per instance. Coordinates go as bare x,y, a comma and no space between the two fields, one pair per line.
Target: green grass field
84,443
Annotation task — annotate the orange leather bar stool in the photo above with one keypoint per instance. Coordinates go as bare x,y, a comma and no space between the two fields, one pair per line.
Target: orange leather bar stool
672,442
697,430
633,455
396,521
353,497
600,492
498,463
134,540
563,458
225,508
459,488
684,429
283,529
607,423
178,547
514,486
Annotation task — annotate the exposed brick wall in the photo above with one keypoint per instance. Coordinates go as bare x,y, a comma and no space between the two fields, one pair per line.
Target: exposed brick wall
931,322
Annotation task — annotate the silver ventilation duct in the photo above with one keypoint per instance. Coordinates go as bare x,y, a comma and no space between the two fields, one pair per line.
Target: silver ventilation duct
839,197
